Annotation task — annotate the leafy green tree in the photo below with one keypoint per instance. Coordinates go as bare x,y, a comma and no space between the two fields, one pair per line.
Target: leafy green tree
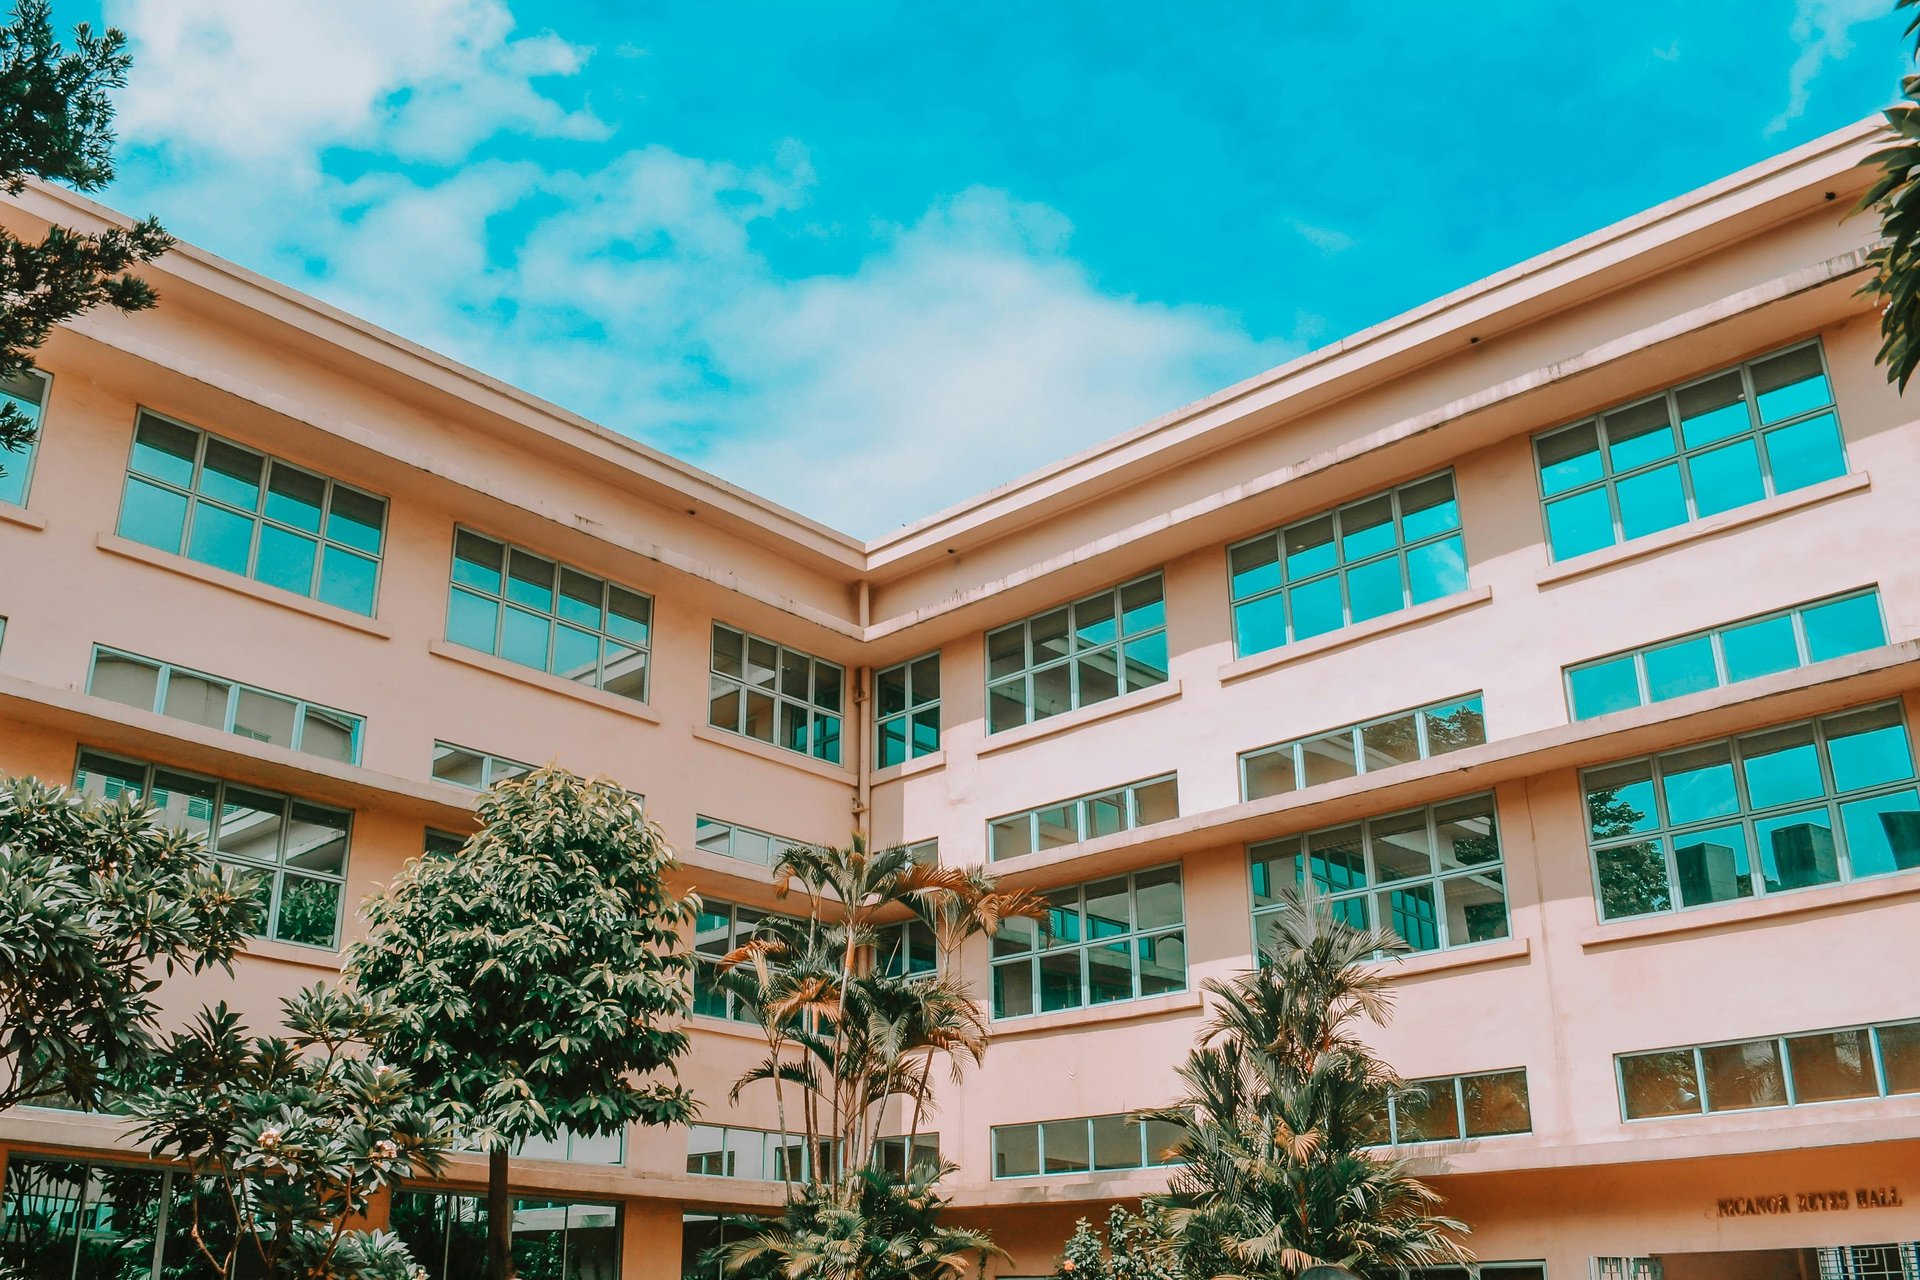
1284,1102
287,1141
98,901
1136,1247
539,975
56,123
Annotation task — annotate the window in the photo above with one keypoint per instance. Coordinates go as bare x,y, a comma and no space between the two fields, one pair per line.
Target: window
1743,650
1053,826
297,849
1735,437
891,1154
1366,559
225,505
226,705
441,844
906,949
474,770
1111,940
723,1151
26,394
721,929
1433,876
447,1235
1448,1108
766,691
66,1218
1626,1269
1871,1262
730,840
523,607
1095,1144
907,711
1366,747
1816,802
1481,1271
1779,1071
577,1148
1111,643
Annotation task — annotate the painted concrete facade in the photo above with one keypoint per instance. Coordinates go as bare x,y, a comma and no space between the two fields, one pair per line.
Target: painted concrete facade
1751,265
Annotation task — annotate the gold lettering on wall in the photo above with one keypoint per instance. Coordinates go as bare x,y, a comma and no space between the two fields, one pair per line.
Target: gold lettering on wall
1834,1200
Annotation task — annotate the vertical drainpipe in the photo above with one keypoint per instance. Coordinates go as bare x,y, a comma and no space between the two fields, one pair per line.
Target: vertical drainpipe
862,805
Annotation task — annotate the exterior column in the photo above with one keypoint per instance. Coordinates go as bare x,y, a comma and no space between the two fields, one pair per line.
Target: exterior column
650,1240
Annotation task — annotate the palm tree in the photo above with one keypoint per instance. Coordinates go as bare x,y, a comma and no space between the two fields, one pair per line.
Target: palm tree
1284,1102
886,1229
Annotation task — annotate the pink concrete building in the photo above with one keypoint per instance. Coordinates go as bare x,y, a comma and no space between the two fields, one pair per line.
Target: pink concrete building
1565,625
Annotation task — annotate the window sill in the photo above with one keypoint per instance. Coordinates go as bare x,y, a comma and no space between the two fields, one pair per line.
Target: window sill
540,680
1880,889
718,1026
1165,691
908,768
10,514
1100,1015
1779,505
1472,956
772,754
327,959
242,586
1368,630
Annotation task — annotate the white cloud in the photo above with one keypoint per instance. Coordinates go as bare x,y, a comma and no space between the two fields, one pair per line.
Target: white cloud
1325,239
1823,29
963,349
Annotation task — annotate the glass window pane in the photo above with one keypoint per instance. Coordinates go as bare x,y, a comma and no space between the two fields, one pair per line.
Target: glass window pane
250,824
1410,914
1883,833
355,519
1781,766
1686,666
1143,606
1639,434
1620,800
1330,757
1106,814
130,681
1049,636
294,497
890,691
1790,383
1157,900
1603,687
1868,748
231,475
926,731
1058,825
1652,501
1797,849
1580,523
1428,508
1375,589
1309,548
576,655
347,580
285,560
164,450
1254,567
1467,833
1108,906
926,680
1496,1104
891,738
1007,704
332,735
1065,1146
525,638
1260,625
1010,837
1099,676
1316,607
184,800
1698,784
1843,626
220,538
198,699
1832,1065
1095,621
1276,869
1163,963
581,598
1726,477
1335,859
1900,1056
478,561
1740,1077
1402,847
1633,879
1476,907
1060,980
1805,453
1116,1143
1269,773
1016,1151
472,620
1713,865
1427,1111
1109,973
1006,650
1759,648
1146,660
530,580
1570,458
1660,1084
1713,409
630,616
1052,690
460,767
1366,528
1390,742
317,839
1455,726
624,671
152,515
1436,569
265,717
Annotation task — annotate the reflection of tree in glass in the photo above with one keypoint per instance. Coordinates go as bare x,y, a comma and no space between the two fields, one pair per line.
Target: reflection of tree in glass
1464,726
1633,877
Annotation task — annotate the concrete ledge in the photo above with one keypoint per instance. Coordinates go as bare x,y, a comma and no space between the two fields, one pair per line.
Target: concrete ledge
243,586
1100,1015
1893,887
10,514
542,680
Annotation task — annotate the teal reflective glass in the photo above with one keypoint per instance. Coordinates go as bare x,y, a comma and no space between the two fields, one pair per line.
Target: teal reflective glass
1436,569
231,475
1797,850
1146,660
1604,687
524,638
1713,865
1366,528
24,395
1713,410
1409,912
1726,477
1579,524
477,562
355,519
1883,833
1759,648
152,515
1639,434
581,599
1428,509
1254,567
1316,608
165,451
1143,606
576,654
529,580
1309,548
1620,801
1698,784
1868,748
348,580
1651,501
1633,879
472,620
1805,453
285,560
220,538
1261,624
1781,766
1843,626
1351,912
1569,459
1675,670
294,497
629,616
1790,384
1374,589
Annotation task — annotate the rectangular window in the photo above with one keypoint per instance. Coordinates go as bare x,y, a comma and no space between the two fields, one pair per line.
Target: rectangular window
1108,644
891,1154
249,712
1898,1261
447,1235
763,690
1485,1271
1065,822
1366,747
721,929
296,850
27,394
726,1151
1735,437
907,711
1744,650
1791,807
906,949
1433,876
441,844
1364,560
1449,1108
730,840
528,609
220,503
1117,939
1093,1144
1879,1061
474,770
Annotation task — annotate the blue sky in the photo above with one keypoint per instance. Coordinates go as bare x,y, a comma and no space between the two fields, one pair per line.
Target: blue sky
870,257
